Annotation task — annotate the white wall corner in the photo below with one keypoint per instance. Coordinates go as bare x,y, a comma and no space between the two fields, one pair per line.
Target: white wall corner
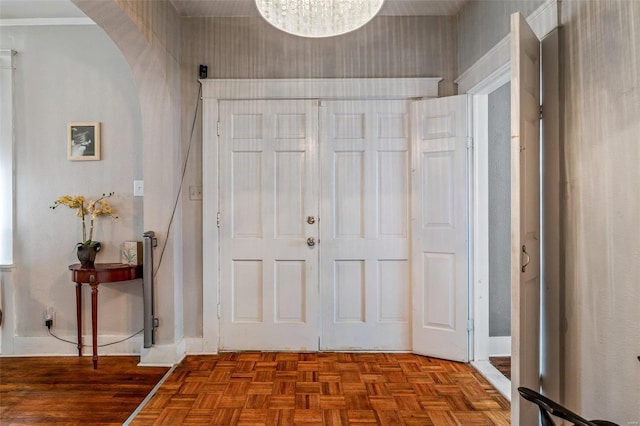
163,355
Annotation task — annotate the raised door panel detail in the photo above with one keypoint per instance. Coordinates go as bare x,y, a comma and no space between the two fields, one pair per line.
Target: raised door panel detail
291,126
530,292
437,126
438,188
392,126
247,291
246,194
393,291
289,194
349,290
393,194
349,126
439,291
530,159
349,194
246,126
290,294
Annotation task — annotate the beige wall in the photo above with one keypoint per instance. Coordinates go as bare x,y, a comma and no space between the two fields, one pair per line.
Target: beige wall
483,23
386,47
148,34
65,74
600,47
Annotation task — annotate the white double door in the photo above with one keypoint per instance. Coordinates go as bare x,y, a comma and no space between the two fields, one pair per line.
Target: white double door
315,232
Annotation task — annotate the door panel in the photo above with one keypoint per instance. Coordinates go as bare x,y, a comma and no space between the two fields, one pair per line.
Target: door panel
440,234
525,217
365,225
268,188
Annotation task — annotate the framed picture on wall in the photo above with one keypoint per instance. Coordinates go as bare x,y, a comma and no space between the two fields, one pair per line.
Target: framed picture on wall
83,141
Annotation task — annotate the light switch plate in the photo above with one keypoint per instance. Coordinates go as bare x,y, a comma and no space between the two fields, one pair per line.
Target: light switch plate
138,188
195,193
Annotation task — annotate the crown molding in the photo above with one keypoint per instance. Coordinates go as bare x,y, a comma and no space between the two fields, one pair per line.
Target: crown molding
316,88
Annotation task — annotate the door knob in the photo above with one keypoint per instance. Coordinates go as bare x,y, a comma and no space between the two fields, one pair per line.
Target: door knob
311,241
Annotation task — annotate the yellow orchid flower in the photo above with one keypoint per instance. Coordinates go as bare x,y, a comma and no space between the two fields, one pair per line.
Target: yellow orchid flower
93,208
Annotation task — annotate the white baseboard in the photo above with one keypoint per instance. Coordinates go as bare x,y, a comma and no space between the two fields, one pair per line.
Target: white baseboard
493,376
50,346
500,346
163,355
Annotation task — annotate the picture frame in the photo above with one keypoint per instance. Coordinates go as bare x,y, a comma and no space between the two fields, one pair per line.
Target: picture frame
83,141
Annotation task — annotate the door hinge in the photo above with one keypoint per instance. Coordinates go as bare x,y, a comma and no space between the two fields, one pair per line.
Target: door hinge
218,309
540,112
218,128
218,219
469,143
470,325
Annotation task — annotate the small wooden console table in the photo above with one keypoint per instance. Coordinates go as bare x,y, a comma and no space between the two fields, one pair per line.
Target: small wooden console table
94,275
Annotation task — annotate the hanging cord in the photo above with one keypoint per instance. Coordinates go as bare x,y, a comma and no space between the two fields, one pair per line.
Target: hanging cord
100,346
184,171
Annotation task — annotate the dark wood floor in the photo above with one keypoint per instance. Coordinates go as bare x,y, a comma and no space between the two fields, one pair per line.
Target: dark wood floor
67,390
253,388
502,364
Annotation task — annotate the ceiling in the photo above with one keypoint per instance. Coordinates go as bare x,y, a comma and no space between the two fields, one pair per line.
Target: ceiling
33,9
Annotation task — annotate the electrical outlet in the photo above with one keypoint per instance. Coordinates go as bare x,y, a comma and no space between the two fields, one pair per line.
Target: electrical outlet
632,424
48,317
195,193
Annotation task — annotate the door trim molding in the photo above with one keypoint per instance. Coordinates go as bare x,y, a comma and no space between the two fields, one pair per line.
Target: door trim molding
214,90
332,88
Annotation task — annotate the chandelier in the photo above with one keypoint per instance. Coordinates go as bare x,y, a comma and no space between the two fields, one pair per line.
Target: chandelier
318,18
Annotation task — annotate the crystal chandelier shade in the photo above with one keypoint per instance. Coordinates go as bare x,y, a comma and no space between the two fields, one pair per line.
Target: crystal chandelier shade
318,18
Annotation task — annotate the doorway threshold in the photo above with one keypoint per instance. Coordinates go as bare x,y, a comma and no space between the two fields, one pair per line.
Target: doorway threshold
495,377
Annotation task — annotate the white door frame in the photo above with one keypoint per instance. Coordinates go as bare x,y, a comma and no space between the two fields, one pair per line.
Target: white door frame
480,223
229,89
479,117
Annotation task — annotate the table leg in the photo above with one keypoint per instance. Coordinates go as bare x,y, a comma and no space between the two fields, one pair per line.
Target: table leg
94,320
79,316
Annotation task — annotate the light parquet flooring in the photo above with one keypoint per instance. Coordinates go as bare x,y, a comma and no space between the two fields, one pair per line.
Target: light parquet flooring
266,388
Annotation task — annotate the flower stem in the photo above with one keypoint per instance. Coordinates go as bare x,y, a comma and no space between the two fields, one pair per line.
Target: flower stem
84,228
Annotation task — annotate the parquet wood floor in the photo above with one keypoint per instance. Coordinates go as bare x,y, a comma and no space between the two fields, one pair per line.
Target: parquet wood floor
68,391
265,388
